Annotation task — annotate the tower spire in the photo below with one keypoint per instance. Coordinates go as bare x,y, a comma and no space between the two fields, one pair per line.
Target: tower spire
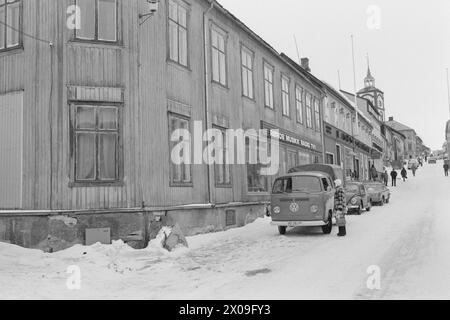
369,81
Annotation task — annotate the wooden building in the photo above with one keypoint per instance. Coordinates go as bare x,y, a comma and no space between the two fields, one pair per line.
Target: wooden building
90,91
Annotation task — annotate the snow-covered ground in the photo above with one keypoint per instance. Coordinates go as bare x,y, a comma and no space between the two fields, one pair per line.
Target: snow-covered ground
408,240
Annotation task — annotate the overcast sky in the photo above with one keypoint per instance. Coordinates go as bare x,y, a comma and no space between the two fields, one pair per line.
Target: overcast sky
408,53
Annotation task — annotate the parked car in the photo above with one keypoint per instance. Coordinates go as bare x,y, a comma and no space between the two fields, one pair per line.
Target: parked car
378,193
413,162
432,160
305,198
357,198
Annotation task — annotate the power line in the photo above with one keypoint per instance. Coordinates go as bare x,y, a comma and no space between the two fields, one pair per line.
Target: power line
26,34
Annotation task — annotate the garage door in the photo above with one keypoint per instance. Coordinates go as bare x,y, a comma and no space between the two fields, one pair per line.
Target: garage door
11,148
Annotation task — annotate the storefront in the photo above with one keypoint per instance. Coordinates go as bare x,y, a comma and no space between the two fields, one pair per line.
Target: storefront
294,150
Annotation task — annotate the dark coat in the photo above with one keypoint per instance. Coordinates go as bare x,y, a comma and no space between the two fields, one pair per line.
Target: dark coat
404,173
394,174
339,200
446,167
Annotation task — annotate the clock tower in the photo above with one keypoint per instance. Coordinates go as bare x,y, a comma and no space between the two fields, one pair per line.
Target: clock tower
373,94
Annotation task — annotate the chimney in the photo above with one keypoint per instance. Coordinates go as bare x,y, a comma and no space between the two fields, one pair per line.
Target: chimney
305,64
391,118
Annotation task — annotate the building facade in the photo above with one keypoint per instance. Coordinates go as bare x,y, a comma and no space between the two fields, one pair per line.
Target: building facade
88,115
346,144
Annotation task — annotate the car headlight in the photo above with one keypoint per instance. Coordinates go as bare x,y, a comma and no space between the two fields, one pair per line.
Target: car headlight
314,209
277,210
354,201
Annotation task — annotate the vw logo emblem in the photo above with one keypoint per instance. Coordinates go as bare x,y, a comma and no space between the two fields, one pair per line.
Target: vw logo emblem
294,207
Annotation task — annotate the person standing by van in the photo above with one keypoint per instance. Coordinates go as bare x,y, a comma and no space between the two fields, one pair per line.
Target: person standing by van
340,208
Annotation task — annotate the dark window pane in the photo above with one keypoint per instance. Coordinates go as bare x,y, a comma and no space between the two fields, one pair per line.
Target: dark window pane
107,156
107,118
87,18
85,160
107,20
85,118
13,19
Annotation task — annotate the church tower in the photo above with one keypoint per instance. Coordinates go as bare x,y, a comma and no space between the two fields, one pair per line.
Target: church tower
373,94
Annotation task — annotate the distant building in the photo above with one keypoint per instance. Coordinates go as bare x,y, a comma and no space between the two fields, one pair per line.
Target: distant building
373,94
411,141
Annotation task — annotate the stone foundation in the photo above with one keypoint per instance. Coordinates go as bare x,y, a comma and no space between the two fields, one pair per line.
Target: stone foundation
54,232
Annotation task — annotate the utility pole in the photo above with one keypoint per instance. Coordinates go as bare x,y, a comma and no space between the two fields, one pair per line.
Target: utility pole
339,79
298,51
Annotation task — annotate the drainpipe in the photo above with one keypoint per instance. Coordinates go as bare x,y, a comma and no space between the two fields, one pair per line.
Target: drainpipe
322,121
207,81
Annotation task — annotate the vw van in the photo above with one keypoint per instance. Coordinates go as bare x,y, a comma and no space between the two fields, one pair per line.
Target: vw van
305,198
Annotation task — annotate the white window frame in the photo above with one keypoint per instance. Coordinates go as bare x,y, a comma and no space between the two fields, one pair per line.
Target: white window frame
285,95
180,28
269,72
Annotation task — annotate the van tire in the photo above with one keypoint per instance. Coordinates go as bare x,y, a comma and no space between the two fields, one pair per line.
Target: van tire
359,210
328,228
282,230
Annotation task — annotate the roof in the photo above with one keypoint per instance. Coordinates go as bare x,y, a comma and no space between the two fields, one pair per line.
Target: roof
394,130
284,58
339,95
399,126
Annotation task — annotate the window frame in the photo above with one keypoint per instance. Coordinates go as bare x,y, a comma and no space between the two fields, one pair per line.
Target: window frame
271,68
216,29
172,183
20,43
288,93
309,120
96,39
317,115
223,185
187,7
244,68
301,119
74,182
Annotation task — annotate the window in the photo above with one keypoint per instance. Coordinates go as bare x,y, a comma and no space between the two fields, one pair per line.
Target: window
98,20
299,104
330,158
309,100
303,158
256,182
180,174
96,143
338,155
285,95
223,171
317,115
268,86
219,68
178,40
291,159
247,73
10,14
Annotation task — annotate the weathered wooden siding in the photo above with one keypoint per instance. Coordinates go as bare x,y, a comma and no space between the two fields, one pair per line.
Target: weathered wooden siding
11,150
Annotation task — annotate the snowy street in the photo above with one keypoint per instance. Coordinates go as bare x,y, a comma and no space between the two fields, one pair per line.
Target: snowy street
408,239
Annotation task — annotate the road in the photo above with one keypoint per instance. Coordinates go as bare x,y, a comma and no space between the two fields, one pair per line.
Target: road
407,241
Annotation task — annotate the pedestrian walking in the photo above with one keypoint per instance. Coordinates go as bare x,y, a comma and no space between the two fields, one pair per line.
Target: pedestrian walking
386,178
340,208
404,174
394,175
414,169
446,168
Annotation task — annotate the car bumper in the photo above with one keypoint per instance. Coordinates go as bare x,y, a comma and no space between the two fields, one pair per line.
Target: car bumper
298,223
352,207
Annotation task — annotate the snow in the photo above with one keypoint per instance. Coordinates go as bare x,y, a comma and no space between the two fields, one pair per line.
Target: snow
408,240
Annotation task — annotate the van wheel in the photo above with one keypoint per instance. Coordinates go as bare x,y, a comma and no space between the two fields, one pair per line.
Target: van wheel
282,230
326,229
383,201
387,201
369,206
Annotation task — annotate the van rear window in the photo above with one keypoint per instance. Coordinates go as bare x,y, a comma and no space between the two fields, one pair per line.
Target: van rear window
297,184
